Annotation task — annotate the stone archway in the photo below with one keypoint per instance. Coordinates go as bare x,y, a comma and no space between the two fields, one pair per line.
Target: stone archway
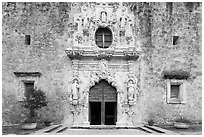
102,104
95,78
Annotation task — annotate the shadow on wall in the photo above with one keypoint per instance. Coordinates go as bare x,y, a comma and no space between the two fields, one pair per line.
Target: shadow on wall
53,112
12,110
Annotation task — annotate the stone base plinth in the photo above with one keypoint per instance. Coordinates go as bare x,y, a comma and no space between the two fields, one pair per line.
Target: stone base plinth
121,124
130,125
75,125
85,124
138,125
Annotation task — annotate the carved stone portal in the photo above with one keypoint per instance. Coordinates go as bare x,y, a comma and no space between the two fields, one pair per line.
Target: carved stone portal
115,64
79,93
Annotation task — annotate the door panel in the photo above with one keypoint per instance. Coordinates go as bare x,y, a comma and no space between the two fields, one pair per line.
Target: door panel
110,113
95,113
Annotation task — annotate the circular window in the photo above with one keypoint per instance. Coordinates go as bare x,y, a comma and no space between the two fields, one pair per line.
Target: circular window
103,37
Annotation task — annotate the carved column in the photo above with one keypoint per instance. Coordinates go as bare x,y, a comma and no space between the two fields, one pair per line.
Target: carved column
130,113
121,122
76,108
75,64
130,65
86,122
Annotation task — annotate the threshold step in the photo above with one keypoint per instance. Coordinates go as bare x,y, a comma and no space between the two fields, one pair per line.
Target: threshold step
102,127
145,129
154,128
52,129
161,130
62,129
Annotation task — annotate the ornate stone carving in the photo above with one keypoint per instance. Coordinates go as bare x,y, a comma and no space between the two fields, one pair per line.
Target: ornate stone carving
132,89
129,110
74,53
76,110
123,20
85,16
96,76
94,15
103,66
132,92
79,24
103,17
104,54
131,54
75,95
95,64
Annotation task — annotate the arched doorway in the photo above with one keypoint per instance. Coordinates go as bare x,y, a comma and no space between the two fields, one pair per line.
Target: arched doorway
102,104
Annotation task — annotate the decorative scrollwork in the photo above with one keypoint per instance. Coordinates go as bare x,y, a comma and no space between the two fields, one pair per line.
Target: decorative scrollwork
95,77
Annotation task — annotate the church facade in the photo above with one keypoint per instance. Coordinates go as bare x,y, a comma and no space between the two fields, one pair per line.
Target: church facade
120,64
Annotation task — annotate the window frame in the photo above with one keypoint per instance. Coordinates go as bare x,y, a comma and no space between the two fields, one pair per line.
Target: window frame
177,93
27,39
182,91
25,77
175,40
105,36
26,82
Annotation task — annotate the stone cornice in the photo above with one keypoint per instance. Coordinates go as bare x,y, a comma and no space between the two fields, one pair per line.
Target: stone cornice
27,74
176,74
125,53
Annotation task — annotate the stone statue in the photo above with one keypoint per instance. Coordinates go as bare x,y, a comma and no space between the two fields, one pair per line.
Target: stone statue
129,39
131,91
103,67
123,22
129,26
75,92
86,22
103,16
78,39
79,24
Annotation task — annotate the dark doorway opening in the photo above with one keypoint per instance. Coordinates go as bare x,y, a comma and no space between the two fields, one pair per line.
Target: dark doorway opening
110,113
102,104
95,111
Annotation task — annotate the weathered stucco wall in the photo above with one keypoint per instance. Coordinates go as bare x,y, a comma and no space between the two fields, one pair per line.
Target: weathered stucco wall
161,55
47,23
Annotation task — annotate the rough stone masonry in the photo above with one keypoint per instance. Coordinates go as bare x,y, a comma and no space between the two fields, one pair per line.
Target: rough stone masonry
151,63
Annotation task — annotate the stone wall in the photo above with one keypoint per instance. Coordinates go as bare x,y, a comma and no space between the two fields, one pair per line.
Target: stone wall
48,25
161,54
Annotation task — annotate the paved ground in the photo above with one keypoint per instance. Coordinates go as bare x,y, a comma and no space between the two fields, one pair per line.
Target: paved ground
144,130
193,130
61,130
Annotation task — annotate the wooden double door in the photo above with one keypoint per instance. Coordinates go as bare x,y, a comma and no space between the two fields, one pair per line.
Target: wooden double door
102,104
